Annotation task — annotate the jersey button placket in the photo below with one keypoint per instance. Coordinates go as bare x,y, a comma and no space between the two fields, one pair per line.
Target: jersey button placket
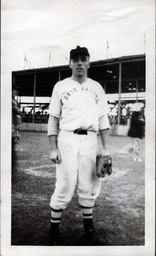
81,105
84,106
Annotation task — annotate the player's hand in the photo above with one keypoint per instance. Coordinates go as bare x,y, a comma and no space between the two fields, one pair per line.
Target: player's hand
55,156
103,166
105,152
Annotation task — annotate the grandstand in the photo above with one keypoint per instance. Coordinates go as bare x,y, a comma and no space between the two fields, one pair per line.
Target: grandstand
122,78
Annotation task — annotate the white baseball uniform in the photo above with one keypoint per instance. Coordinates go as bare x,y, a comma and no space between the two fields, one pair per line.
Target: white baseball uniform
77,106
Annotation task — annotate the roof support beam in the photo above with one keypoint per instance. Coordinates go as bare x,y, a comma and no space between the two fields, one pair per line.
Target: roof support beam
119,102
33,117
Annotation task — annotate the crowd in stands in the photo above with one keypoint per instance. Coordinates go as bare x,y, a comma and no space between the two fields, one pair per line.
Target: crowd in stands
125,114
40,117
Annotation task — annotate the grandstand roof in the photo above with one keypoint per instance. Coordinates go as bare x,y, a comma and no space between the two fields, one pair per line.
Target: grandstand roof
103,70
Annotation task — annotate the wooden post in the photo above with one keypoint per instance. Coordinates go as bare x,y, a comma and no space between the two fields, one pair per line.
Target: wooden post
105,86
119,101
137,90
13,81
59,75
33,119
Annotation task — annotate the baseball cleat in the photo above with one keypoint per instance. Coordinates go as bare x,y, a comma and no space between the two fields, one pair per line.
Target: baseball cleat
52,241
53,234
92,238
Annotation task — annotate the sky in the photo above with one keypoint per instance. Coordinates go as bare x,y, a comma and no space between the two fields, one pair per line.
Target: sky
32,29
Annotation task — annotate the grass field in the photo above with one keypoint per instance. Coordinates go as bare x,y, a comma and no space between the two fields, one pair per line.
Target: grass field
118,213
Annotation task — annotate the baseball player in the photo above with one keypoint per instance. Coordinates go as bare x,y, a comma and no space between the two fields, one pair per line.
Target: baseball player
78,111
16,121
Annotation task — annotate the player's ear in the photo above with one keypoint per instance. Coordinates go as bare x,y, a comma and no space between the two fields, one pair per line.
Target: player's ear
70,63
88,62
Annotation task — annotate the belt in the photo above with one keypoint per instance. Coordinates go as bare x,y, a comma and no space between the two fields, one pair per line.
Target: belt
81,132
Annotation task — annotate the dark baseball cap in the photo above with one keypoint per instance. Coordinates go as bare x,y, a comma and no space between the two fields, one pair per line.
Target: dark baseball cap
79,51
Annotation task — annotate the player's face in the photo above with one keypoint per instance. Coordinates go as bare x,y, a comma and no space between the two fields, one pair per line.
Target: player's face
79,65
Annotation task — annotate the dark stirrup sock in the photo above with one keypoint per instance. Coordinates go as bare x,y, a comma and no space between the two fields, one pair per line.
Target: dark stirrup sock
87,212
56,215
55,221
87,218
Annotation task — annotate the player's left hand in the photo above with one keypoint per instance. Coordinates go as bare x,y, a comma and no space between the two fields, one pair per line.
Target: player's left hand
105,151
103,166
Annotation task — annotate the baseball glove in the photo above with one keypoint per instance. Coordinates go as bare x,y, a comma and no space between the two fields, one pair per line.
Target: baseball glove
103,166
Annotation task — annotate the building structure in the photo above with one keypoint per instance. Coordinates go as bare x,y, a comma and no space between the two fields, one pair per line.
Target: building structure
122,78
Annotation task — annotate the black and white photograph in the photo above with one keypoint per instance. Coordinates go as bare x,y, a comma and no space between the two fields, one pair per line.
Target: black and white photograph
77,127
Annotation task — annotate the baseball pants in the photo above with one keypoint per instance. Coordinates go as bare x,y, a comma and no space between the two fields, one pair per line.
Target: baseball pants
77,170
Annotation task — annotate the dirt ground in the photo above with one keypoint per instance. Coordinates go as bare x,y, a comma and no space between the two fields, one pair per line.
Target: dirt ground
119,211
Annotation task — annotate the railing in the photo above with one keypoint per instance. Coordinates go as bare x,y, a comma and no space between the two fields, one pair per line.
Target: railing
38,118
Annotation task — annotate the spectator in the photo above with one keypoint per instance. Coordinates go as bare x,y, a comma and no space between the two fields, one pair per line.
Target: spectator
16,120
137,132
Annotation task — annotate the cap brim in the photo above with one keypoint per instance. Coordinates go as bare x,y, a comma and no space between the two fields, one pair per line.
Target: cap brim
79,54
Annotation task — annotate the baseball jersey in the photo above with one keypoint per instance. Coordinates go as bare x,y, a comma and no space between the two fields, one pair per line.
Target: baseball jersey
78,105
